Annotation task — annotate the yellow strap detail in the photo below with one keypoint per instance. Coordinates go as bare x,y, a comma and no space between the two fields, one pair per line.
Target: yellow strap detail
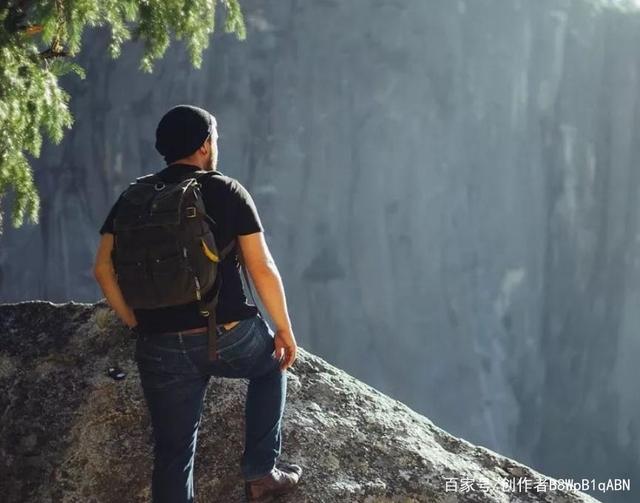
212,256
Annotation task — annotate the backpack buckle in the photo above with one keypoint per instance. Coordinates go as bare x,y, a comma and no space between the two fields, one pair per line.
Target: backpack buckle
191,211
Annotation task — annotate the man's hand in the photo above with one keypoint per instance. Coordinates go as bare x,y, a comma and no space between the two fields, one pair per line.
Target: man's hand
286,348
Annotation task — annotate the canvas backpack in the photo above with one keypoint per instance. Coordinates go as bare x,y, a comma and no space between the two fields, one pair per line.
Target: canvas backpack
164,251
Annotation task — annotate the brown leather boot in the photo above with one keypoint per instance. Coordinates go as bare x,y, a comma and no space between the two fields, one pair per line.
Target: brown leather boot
267,488
289,467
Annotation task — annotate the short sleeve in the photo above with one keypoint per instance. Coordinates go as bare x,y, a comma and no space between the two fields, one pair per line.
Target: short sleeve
245,214
107,226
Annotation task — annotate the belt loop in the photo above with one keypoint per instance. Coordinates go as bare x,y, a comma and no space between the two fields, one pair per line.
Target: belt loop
180,339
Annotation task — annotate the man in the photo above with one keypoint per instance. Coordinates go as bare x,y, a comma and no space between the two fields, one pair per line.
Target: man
171,347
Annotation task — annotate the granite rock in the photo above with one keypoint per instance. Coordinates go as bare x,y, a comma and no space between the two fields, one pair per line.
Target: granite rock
70,433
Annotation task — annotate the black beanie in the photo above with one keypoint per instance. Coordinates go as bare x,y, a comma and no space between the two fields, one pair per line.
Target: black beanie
182,130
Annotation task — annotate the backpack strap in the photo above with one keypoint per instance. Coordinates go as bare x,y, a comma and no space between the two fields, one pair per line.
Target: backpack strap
199,174
246,280
208,309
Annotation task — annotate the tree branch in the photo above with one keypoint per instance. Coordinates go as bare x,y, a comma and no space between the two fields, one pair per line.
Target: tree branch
31,30
53,53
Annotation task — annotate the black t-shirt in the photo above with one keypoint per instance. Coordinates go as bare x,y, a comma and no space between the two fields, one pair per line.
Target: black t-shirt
230,205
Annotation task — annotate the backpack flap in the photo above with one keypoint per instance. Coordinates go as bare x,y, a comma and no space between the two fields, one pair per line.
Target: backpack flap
147,204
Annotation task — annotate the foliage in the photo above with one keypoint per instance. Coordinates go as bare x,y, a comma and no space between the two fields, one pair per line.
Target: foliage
38,41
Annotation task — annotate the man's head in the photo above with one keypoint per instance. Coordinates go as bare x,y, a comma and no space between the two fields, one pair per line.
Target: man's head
188,134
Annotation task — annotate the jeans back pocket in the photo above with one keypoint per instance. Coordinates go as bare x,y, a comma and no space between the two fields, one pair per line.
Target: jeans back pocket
241,346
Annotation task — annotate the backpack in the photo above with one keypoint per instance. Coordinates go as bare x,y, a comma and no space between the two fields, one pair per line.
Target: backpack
164,251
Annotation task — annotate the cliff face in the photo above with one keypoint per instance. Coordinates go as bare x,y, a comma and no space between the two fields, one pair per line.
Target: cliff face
70,433
450,189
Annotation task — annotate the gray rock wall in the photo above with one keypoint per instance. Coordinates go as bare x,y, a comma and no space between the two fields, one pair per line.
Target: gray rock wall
450,189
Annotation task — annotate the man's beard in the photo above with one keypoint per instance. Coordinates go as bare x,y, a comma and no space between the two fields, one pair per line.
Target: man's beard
212,162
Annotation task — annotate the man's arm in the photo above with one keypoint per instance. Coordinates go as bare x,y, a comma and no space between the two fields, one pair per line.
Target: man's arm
255,255
106,277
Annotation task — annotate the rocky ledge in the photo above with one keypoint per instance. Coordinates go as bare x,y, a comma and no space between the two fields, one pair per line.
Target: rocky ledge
70,433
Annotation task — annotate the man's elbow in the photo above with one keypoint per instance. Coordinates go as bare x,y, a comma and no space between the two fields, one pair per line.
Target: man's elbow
262,268
100,271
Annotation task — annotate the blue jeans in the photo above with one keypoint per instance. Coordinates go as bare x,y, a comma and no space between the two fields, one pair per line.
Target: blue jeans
174,372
